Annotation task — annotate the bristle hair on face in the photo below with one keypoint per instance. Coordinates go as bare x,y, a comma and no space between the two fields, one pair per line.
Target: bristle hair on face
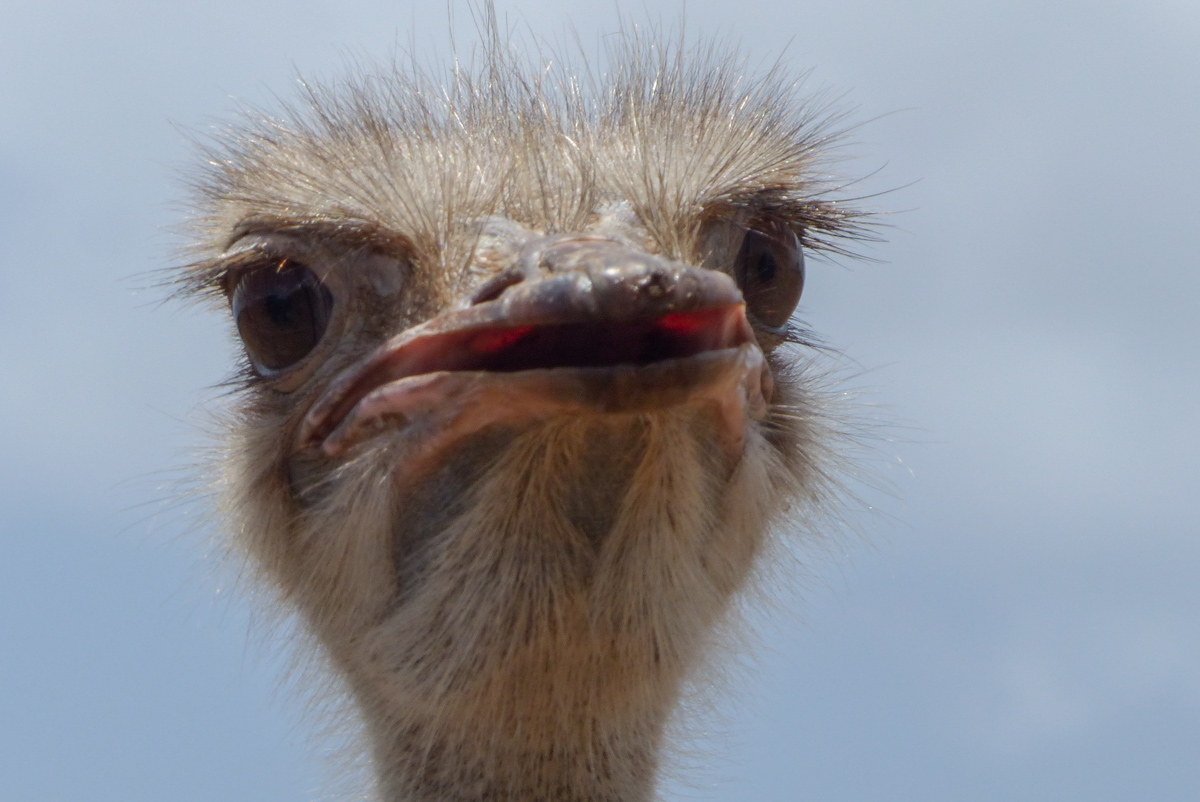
675,131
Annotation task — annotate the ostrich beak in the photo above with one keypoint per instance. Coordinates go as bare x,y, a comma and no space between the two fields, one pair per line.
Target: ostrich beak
612,330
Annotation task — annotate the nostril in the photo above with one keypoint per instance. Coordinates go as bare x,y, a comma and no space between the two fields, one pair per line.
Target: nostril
494,287
655,283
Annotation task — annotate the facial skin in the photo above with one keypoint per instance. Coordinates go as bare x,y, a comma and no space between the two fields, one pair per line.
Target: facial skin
522,399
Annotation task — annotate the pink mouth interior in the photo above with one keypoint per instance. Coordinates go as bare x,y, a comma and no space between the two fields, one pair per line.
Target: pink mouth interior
508,349
581,345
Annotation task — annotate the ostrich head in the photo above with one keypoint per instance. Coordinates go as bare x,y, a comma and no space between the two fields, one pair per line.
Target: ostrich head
522,397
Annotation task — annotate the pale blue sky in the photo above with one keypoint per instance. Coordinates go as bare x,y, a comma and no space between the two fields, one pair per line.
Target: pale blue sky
1020,622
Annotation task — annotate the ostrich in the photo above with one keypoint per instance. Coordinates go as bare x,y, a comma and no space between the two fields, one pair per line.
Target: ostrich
522,401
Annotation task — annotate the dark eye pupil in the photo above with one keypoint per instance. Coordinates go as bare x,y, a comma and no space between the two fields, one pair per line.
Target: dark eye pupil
281,309
281,312
766,266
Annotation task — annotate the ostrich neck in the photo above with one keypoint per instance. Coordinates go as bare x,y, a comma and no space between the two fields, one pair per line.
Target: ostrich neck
550,604
483,761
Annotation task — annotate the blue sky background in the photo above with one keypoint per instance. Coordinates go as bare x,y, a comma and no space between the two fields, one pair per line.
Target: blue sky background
1021,620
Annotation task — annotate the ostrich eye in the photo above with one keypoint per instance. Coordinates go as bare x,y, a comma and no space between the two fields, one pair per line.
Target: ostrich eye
770,271
281,312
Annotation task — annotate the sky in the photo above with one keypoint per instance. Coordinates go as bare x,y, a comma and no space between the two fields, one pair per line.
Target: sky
1017,616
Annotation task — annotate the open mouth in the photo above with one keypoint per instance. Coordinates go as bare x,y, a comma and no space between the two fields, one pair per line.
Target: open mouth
529,347
637,337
